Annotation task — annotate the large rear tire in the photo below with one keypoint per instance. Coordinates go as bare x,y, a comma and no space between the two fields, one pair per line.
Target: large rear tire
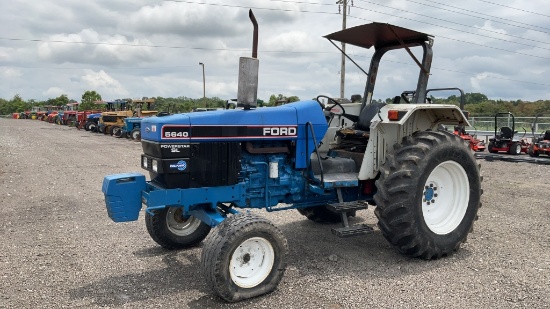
244,257
171,230
429,192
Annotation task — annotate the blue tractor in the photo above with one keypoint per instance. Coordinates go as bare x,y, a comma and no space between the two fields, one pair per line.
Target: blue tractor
131,128
92,122
132,125
206,167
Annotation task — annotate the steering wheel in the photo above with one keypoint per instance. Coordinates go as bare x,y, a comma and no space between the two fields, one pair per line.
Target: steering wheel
329,108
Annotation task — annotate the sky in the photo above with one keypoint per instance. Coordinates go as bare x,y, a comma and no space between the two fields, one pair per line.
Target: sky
146,48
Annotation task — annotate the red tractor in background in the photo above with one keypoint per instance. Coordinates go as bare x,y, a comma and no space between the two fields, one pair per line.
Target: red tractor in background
52,116
504,138
541,143
69,117
82,117
475,144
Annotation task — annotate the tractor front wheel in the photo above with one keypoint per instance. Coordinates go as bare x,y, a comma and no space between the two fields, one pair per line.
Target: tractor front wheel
532,152
170,229
429,192
244,257
136,135
515,148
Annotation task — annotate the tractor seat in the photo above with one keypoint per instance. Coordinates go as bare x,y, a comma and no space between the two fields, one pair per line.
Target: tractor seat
366,116
547,135
506,133
357,137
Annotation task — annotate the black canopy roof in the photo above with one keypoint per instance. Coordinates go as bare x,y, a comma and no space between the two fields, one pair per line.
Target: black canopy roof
377,35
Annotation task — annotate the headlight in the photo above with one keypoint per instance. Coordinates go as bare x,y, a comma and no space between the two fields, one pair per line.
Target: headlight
155,166
144,162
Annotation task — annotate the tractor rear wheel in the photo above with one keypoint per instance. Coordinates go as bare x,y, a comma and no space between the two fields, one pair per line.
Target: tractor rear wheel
515,148
321,214
92,126
244,257
171,230
136,134
532,152
429,192
113,130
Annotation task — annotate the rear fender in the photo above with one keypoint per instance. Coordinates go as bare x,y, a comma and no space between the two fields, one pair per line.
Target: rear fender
386,133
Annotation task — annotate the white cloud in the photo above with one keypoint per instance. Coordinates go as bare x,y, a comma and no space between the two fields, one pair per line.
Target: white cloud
104,83
117,49
54,92
9,72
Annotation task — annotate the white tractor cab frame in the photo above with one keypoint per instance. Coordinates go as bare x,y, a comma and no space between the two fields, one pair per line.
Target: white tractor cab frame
387,124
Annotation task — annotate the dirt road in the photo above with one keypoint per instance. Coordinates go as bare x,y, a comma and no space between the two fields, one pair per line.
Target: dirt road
59,249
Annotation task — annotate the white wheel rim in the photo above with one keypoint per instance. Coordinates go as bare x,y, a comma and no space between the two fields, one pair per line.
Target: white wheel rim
251,262
179,225
445,197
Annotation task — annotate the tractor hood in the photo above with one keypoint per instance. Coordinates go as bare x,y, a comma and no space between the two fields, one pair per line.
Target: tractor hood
300,124
266,123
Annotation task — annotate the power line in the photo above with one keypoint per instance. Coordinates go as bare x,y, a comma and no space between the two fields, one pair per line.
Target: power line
457,39
451,22
163,46
513,8
252,7
492,16
89,68
244,50
297,52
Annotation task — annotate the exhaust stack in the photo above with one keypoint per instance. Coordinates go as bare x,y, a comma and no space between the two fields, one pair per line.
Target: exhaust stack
247,93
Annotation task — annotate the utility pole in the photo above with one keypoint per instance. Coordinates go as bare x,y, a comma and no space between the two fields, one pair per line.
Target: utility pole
203,85
344,4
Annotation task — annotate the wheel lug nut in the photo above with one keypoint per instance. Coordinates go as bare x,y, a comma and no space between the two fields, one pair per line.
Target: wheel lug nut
435,188
431,185
435,195
428,203
433,201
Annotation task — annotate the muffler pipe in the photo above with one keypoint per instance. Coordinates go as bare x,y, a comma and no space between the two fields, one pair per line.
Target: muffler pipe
255,37
247,93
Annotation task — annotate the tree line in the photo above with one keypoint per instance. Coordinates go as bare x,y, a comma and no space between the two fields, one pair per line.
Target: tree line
477,104
174,105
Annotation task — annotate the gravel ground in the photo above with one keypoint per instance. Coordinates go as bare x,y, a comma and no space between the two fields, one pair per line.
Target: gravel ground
59,249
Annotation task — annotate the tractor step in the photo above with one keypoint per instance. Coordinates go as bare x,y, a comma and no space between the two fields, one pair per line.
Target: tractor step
339,180
354,230
347,206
